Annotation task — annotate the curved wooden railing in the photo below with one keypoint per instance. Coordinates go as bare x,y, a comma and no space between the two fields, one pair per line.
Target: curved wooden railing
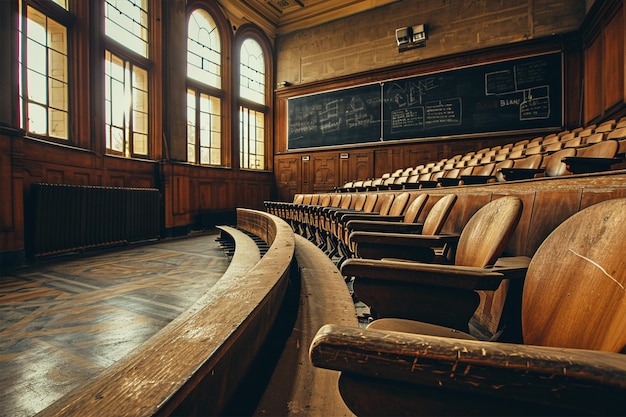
195,363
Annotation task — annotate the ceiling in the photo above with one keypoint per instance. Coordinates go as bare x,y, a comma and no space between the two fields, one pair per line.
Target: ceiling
280,17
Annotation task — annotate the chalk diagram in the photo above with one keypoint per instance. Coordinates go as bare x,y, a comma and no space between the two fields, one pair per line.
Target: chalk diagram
330,120
409,111
523,86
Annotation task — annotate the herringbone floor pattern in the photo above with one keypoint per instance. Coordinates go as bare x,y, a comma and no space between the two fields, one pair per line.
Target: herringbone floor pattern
65,321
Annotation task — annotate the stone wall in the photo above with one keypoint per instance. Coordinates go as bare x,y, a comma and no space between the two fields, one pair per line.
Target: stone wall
366,41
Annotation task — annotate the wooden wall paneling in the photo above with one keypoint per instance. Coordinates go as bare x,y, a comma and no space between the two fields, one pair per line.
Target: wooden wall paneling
382,162
359,166
12,200
597,195
398,158
593,80
613,61
286,174
325,172
417,155
306,174
345,170
463,210
551,208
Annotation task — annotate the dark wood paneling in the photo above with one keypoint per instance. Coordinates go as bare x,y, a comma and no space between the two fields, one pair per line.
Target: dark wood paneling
613,61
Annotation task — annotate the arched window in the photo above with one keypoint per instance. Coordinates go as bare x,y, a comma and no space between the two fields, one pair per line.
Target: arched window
126,77
44,68
204,103
252,105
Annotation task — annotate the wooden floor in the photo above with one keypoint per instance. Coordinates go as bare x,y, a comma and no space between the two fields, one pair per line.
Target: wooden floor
64,321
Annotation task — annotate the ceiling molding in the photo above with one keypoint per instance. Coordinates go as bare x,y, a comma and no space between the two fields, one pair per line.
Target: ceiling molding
280,17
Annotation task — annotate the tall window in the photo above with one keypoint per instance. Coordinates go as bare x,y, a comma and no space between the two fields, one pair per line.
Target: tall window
252,106
126,77
44,74
204,105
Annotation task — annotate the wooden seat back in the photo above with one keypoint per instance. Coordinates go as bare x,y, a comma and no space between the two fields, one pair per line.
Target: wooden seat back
398,205
359,201
346,199
605,149
438,215
574,289
487,232
507,163
336,200
486,169
370,202
324,200
415,208
530,162
554,165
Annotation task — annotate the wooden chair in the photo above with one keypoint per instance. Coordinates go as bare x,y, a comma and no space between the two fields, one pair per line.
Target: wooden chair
593,158
380,240
571,361
553,164
523,168
427,292
481,174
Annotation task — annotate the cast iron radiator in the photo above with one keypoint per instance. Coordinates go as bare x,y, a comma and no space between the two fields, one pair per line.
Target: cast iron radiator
67,218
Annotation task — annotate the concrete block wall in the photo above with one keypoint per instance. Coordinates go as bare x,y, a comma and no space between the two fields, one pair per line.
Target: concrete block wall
366,41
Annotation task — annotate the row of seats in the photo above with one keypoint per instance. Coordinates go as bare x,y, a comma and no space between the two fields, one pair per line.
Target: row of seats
420,351
571,359
590,149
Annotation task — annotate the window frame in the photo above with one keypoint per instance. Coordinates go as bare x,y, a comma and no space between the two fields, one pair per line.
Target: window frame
110,45
249,31
221,93
65,17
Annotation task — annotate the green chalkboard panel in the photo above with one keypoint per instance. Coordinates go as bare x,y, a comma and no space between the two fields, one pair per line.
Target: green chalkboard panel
339,117
513,95
519,94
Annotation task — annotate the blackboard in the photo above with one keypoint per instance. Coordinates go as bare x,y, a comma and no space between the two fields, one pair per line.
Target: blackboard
338,117
512,95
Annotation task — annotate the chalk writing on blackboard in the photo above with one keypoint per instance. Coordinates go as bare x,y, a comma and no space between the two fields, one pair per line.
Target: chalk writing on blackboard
510,95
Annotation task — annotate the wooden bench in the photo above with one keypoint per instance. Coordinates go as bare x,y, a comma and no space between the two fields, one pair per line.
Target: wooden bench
195,363
297,387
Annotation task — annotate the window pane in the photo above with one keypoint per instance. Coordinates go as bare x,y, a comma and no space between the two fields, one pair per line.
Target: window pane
252,139
210,130
203,49
58,123
191,126
126,21
62,3
252,72
140,110
44,91
126,103
37,119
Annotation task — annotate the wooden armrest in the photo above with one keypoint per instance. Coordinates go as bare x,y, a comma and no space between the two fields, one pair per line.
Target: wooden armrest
404,239
476,179
428,184
418,273
346,217
384,226
583,165
434,293
513,174
449,182
590,382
